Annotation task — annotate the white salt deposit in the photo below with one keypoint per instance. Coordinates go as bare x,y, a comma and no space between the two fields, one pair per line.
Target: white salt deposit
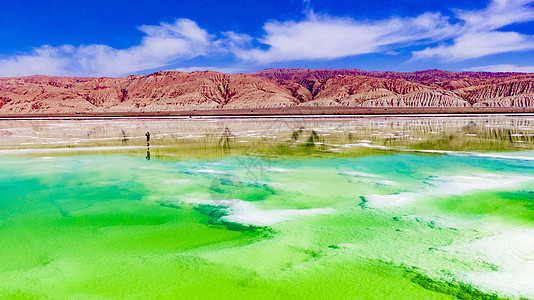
448,186
176,181
511,251
247,213
386,182
208,171
382,201
360,174
278,170
74,149
503,156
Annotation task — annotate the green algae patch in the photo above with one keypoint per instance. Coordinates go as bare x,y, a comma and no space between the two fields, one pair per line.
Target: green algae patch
456,289
512,207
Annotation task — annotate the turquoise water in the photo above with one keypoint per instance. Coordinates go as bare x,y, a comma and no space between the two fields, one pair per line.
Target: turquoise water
365,218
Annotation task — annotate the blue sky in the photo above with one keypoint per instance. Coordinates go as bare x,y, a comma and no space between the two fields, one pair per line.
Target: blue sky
115,38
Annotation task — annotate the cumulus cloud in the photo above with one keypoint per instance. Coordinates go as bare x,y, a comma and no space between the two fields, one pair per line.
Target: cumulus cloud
502,68
161,45
44,60
326,37
475,33
478,33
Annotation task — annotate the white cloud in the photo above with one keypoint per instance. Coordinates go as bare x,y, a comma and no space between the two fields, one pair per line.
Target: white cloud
478,34
498,14
325,37
162,45
502,68
478,44
44,60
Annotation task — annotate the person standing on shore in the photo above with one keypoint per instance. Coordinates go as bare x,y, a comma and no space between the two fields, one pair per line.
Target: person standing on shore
147,134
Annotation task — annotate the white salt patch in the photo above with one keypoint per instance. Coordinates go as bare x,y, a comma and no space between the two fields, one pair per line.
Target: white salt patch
365,145
75,149
98,139
512,252
176,181
360,174
208,171
278,170
457,185
381,201
386,182
447,186
247,213
504,156
462,153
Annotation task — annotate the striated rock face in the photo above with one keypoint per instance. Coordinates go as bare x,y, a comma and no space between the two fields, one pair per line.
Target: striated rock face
515,91
423,98
271,88
432,88
162,91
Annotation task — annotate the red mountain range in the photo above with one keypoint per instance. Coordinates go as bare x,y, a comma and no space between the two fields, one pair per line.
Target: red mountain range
172,91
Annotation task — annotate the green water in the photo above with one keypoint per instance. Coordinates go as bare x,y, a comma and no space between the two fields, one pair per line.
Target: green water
347,208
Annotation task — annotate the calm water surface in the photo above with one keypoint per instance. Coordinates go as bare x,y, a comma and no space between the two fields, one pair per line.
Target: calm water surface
370,208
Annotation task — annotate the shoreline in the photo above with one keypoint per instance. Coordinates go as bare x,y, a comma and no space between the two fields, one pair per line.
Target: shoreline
287,113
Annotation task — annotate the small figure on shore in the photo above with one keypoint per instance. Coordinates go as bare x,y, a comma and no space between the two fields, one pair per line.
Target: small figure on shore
124,138
147,134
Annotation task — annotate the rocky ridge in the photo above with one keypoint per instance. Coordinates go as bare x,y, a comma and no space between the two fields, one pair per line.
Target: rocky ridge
271,88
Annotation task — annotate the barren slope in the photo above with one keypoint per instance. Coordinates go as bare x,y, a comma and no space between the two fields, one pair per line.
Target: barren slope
272,88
